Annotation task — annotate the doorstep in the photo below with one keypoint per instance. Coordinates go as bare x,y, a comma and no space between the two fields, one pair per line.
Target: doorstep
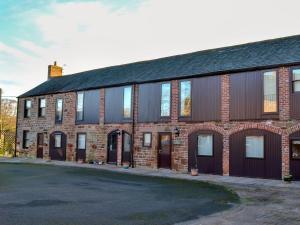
216,179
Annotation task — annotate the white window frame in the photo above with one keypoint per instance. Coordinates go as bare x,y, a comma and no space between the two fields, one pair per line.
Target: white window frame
55,140
60,112
148,144
125,106
211,145
183,99
294,142
267,95
27,108
249,152
167,101
80,106
42,108
295,80
78,141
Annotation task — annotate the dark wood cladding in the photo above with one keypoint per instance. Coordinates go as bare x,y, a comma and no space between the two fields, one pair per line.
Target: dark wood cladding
246,96
295,98
295,105
91,104
114,105
294,163
206,99
149,103
206,164
269,167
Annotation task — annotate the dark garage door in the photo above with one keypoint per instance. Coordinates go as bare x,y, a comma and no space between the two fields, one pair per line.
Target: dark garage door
295,156
206,164
267,167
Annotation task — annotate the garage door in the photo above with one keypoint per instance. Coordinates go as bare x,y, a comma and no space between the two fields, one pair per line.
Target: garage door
205,151
255,153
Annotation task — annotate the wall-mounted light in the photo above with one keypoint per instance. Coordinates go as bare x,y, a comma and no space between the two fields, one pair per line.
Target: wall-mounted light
118,132
176,131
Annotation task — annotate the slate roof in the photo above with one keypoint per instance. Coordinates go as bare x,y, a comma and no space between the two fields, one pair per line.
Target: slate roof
256,55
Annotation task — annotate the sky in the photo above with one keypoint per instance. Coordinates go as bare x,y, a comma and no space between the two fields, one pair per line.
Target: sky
88,34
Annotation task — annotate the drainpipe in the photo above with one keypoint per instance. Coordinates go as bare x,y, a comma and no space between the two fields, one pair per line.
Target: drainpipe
133,127
15,153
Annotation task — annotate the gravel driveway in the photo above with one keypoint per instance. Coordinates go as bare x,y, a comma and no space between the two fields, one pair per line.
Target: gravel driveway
259,205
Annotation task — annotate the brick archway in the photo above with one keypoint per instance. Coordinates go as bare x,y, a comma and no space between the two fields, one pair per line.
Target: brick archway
208,127
258,126
293,129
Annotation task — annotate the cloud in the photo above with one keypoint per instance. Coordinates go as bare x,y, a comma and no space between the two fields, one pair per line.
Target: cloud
5,49
92,34
9,82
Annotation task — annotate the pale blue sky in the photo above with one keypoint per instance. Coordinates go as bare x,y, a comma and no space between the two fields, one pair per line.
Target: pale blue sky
89,34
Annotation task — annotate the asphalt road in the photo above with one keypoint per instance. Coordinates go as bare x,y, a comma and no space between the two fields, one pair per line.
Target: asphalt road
46,195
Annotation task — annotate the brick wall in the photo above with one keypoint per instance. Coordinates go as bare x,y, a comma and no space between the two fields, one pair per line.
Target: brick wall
147,156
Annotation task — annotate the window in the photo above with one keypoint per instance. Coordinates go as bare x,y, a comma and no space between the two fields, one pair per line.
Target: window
57,141
296,80
165,99
147,139
81,141
59,111
296,149
42,107
205,145
127,142
25,139
27,108
185,98
255,147
79,106
270,92
127,102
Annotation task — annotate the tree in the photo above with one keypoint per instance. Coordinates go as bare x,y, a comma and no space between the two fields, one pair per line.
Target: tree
7,126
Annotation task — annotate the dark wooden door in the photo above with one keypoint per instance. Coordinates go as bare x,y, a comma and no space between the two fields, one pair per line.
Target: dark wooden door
40,145
112,147
164,150
206,164
267,167
126,147
294,158
58,142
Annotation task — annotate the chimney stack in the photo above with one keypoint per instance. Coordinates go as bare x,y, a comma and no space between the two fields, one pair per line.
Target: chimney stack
54,71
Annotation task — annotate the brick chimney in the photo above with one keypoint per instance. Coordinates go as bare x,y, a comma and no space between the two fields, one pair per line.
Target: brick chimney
54,71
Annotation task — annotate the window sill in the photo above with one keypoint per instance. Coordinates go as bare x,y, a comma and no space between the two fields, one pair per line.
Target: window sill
206,156
254,158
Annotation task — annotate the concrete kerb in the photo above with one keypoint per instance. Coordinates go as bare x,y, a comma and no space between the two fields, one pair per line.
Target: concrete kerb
215,179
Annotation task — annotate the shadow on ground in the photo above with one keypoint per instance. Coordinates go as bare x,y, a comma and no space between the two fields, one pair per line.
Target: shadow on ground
41,194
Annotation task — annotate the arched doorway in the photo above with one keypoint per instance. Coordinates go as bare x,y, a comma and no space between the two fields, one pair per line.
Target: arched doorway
112,147
205,151
57,147
126,147
255,153
295,155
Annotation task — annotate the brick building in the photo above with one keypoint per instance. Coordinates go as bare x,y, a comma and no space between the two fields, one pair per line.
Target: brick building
231,111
